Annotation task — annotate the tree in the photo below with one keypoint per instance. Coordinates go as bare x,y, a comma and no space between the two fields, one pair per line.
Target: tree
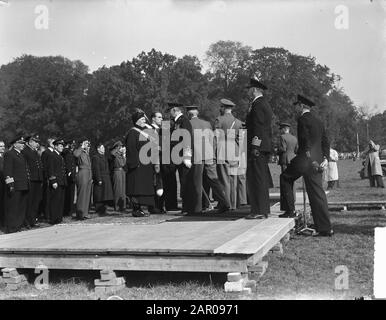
42,94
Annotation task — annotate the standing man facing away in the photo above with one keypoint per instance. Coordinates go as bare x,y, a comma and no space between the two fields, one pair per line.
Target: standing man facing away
35,166
45,155
204,162
227,128
69,195
312,157
259,136
288,146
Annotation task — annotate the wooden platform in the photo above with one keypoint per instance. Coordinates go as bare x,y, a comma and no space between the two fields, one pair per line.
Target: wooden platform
201,246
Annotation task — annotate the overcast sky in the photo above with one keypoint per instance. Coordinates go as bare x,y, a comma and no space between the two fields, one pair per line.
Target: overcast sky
107,32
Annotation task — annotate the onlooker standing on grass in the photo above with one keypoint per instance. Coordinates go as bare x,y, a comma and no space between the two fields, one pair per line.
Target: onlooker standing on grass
84,179
102,191
373,168
70,162
331,172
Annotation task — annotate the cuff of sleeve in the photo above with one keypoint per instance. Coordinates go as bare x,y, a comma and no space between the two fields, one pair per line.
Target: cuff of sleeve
9,180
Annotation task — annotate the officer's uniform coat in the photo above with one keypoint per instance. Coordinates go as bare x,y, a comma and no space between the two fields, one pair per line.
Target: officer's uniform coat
259,131
56,174
35,193
16,174
312,138
69,195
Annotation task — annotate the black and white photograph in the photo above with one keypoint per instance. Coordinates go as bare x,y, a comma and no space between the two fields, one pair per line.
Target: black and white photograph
205,153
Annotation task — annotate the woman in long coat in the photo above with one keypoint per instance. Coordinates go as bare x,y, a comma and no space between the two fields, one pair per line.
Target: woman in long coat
119,176
139,180
102,191
83,180
373,168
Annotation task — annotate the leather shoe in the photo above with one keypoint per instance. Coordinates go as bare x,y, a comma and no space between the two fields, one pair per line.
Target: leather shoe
138,213
323,233
288,214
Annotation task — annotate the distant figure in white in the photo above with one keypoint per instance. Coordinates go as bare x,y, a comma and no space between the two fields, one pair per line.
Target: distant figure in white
331,172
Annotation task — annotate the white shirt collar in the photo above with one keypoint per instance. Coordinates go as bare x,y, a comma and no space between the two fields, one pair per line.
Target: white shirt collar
155,125
305,111
50,148
257,97
176,118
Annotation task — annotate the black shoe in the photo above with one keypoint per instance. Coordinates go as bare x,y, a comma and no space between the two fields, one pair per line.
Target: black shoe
222,210
155,211
138,213
288,214
323,234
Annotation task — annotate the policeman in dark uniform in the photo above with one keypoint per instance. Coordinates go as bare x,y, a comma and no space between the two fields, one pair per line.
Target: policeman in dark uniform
2,181
259,136
35,167
17,184
311,158
56,170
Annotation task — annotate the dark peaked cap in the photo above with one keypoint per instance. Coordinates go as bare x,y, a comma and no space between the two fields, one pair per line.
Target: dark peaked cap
254,83
284,124
173,104
191,108
18,139
227,103
58,141
34,137
304,100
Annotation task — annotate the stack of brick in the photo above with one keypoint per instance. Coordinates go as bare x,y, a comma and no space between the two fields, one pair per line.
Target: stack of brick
239,283
13,279
109,283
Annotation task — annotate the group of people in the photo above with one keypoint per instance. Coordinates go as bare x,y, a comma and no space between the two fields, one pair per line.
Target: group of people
60,180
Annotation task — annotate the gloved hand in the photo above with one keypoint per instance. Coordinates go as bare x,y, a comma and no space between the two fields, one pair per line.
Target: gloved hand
188,163
55,185
99,183
308,154
157,168
324,163
255,153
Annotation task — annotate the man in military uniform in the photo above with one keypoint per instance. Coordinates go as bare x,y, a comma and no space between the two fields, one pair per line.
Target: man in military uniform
35,166
57,179
312,157
227,133
259,136
288,146
17,184
204,162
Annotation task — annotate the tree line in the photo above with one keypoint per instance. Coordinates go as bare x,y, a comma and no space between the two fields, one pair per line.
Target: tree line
57,96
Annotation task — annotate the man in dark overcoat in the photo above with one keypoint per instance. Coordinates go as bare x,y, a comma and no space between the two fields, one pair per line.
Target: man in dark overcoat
312,157
70,162
102,190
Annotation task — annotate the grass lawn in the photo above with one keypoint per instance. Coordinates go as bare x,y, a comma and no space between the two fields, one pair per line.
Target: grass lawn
305,270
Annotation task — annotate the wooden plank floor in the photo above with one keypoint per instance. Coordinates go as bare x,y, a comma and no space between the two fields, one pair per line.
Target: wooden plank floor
203,237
